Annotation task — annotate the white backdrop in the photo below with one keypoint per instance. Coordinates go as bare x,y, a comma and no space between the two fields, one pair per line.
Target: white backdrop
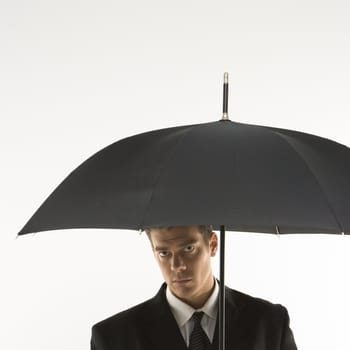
79,75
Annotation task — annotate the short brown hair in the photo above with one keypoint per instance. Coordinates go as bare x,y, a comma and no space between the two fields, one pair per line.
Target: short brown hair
205,230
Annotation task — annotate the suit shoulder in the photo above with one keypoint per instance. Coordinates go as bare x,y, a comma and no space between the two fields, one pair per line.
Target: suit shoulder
262,319
243,300
136,314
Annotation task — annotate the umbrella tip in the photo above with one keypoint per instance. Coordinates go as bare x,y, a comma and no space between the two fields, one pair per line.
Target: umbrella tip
278,232
225,99
225,78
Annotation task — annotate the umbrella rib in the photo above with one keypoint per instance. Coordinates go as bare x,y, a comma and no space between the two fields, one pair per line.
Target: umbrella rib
340,226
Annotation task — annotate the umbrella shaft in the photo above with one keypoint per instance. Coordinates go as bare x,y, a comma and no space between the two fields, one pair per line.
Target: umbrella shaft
225,98
222,290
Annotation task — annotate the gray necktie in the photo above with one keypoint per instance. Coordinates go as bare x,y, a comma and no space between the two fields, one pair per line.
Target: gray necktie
198,338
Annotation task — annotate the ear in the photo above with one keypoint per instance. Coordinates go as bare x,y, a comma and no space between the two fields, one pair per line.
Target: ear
213,244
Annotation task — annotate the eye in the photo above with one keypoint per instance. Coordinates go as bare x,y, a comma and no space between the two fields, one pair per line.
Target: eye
189,248
163,253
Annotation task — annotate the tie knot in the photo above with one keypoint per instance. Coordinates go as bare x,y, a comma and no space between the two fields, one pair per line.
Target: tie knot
197,317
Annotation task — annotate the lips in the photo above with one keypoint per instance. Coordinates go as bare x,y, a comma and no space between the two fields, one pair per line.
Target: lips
182,280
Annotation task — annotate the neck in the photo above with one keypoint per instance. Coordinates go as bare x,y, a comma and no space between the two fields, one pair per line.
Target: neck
198,301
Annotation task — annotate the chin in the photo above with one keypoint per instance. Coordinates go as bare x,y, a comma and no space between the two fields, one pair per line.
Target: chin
184,291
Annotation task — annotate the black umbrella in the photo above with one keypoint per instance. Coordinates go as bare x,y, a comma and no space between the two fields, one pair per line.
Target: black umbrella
233,176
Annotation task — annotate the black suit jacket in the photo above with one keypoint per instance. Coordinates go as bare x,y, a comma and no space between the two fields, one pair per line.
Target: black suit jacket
251,324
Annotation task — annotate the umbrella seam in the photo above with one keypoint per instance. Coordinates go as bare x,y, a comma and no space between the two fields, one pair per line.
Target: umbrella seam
340,226
166,159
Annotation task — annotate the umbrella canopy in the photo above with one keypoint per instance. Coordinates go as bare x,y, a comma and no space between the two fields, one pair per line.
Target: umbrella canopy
230,175
246,177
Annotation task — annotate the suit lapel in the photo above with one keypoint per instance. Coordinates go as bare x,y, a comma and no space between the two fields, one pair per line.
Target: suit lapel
163,330
230,322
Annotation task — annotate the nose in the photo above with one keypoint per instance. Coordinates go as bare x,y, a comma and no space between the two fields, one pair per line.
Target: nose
177,263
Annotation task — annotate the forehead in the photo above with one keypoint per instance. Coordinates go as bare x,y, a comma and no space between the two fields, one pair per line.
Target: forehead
174,236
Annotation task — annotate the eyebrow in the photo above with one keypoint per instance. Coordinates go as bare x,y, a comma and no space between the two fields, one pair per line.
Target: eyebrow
179,245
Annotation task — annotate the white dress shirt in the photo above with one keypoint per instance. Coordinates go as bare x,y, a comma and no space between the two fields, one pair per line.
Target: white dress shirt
183,312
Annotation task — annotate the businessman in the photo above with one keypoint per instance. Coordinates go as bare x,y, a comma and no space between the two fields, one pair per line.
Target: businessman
183,314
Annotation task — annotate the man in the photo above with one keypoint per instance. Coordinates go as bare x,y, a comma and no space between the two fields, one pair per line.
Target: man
183,314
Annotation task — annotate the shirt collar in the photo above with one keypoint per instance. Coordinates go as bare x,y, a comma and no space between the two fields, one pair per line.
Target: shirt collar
183,312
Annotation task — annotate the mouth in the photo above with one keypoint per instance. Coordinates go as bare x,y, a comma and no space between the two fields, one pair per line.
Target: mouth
182,281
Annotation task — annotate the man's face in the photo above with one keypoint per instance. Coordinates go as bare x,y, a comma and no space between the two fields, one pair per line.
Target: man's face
184,256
